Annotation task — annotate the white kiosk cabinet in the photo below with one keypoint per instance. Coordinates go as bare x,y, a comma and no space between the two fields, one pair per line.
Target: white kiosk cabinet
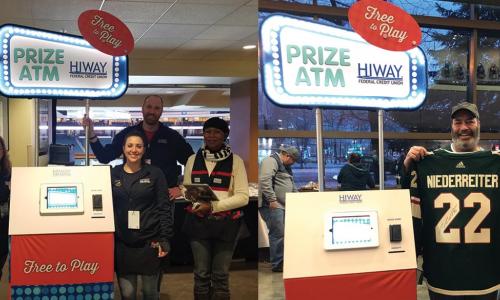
61,226
349,245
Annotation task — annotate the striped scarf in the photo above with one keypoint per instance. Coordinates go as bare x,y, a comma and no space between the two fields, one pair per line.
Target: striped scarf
222,154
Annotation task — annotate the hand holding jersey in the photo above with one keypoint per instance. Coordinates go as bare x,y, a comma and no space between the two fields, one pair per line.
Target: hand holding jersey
416,153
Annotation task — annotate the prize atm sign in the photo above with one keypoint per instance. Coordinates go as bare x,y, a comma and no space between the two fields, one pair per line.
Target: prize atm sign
306,63
44,64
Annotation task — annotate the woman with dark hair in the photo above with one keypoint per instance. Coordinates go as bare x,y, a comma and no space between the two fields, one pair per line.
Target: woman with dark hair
353,177
143,220
213,226
5,171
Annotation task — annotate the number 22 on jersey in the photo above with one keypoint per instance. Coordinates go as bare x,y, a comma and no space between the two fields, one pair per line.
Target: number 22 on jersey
470,234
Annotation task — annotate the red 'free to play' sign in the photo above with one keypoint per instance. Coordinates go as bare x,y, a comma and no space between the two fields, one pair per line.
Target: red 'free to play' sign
106,32
385,25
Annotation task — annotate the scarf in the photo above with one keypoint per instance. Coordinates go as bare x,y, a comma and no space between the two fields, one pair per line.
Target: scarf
220,155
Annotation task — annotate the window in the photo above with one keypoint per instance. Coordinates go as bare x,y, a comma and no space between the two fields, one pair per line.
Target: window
108,121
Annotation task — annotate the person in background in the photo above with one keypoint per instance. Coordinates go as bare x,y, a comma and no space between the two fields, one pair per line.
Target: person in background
5,172
456,212
143,220
374,167
164,146
275,180
213,226
353,177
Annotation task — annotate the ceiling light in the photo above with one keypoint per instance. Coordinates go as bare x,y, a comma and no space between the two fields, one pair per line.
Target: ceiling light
248,47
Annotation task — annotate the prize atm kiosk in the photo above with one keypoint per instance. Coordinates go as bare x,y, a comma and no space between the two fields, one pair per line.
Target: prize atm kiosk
61,228
349,245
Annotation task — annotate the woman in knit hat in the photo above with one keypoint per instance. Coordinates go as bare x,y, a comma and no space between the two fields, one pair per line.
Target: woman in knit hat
213,226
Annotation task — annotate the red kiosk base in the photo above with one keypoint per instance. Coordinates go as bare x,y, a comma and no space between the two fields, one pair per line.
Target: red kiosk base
388,285
345,250
65,266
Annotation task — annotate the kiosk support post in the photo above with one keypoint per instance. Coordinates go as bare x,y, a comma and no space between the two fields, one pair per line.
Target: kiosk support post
381,170
319,149
87,113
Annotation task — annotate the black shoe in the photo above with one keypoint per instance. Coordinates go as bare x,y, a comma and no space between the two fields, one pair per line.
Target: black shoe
278,269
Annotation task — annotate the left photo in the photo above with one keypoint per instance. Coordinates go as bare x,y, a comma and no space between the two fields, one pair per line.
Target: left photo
128,149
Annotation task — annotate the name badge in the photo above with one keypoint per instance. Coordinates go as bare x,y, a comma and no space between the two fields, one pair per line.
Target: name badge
145,180
148,161
196,179
134,219
162,141
217,180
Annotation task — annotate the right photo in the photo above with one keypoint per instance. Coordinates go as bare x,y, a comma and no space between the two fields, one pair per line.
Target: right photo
379,150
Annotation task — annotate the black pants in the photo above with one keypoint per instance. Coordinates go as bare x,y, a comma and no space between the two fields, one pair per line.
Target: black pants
4,242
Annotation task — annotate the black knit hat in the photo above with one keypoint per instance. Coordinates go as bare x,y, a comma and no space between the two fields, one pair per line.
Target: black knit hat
218,123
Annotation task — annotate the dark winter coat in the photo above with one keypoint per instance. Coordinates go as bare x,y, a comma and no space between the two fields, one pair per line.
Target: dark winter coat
353,177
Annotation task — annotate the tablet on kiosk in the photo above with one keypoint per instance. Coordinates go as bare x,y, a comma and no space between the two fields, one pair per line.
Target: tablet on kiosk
349,230
61,198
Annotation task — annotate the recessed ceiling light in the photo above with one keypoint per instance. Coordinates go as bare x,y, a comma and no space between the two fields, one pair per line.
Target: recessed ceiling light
248,47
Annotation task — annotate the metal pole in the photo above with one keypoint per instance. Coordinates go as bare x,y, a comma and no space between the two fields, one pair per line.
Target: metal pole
37,134
319,148
381,149
87,113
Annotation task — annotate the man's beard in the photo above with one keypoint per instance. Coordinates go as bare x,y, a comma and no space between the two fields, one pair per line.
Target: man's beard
151,119
466,146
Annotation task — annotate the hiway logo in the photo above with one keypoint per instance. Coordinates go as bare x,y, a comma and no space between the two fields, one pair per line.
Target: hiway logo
85,69
350,198
380,74
460,165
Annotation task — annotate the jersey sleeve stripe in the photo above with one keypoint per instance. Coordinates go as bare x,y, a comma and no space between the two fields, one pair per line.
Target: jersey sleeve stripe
415,208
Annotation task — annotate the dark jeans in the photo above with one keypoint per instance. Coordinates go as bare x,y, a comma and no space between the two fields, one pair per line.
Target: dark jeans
212,259
275,221
436,296
128,286
4,242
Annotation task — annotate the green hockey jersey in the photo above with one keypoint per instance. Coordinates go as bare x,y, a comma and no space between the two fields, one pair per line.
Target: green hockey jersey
456,208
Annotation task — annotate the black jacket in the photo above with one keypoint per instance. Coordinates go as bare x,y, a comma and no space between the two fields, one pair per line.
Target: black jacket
354,178
166,149
147,194
4,189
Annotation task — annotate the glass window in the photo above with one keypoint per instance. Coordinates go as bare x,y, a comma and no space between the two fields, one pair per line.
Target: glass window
109,121
432,116
488,12
336,152
488,58
446,52
489,110
273,117
446,9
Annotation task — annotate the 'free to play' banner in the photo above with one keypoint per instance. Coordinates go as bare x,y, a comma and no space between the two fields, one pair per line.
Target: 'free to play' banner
62,264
